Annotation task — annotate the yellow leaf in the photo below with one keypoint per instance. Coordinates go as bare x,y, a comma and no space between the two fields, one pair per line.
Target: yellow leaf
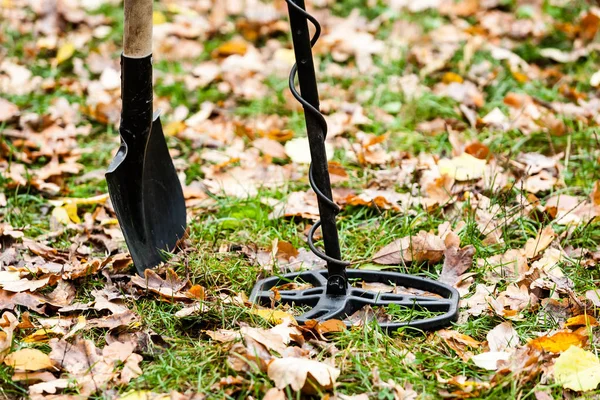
231,47
100,199
144,395
64,52
88,201
519,76
44,334
273,316
173,128
81,323
158,18
61,215
450,77
577,369
28,360
581,320
462,168
72,212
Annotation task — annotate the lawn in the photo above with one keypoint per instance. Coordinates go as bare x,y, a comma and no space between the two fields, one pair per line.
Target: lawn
463,144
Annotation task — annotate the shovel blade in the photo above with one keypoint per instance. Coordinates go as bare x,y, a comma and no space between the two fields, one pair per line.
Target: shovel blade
147,197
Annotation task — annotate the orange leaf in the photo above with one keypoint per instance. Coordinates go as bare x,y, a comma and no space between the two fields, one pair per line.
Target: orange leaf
558,342
450,77
196,292
230,48
581,320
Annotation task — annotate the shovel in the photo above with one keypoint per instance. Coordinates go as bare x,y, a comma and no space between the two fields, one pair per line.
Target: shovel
142,181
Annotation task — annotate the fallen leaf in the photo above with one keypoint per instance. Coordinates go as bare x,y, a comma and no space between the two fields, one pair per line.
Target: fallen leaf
64,53
274,394
459,342
503,337
8,110
577,369
8,324
462,168
558,342
489,360
301,374
456,262
580,321
170,287
224,335
425,246
273,316
534,246
236,46
593,296
298,150
28,360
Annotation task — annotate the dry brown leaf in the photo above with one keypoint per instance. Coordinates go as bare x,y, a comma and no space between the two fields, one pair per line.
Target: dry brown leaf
8,324
224,335
593,296
113,321
169,288
90,368
270,147
503,337
32,301
272,341
459,343
302,374
456,262
8,110
425,246
274,394
325,327
534,246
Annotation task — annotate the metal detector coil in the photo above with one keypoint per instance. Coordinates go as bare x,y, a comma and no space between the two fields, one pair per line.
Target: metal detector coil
330,295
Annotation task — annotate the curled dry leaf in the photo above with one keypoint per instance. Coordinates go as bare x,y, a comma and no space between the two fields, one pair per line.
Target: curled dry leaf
8,324
503,337
302,374
459,343
8,110
582,320
329,326
169,288
535,246
456,262
425,246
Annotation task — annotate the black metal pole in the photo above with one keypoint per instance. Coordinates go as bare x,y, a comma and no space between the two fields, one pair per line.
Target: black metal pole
316,129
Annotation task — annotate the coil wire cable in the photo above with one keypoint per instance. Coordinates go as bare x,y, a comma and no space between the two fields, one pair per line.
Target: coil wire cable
321,120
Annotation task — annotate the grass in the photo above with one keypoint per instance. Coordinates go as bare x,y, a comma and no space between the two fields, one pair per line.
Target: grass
189,360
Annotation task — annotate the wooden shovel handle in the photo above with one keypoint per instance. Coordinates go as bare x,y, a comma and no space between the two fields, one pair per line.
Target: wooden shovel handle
137,33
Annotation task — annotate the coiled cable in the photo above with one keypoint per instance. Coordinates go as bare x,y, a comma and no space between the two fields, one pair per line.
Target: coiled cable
321,121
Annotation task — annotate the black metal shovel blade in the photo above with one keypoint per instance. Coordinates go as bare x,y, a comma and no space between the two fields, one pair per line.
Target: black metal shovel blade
147,197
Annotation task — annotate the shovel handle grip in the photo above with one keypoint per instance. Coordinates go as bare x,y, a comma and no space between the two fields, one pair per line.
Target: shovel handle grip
137,33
